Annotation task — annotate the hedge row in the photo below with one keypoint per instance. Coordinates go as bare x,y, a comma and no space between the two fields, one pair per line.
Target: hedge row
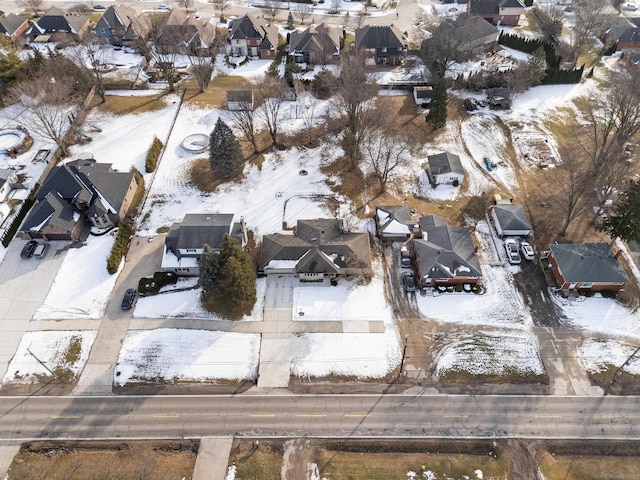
152,155
558,76
13,228
119,249
530,45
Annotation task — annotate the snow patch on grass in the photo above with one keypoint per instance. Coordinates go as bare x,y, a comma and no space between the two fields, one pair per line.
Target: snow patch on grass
597,354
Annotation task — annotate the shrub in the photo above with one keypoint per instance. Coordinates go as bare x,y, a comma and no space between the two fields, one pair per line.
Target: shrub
119,249
152,285
152,155
13,228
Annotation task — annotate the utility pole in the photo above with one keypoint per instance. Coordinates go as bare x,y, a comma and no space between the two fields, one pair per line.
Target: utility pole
619,371
404,352
41,363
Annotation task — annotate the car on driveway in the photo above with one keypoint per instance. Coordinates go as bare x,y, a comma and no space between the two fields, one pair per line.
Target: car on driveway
527,251
129,299
630,7
28,249
511,247
405,257
41,250
408,282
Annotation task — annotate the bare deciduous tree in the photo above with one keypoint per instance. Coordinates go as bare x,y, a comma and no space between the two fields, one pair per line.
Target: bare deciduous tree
270,8
79,9
49,107
476,209
186,4
271,91
33,5
303,10
354,99
525,75
383,153
446,46
92,54
203,61
589,18
307,104
335,6
243,118
221,5
162,47
549,19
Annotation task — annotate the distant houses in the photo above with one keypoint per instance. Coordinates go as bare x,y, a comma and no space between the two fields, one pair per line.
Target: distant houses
498,12
56,26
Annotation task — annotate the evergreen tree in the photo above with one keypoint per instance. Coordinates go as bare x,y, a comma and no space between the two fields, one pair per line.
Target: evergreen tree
624,223
290,21
225,154
437,115
209,264
11,68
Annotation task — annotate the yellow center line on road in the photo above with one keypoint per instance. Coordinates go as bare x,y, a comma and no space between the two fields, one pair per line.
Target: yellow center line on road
166,416
311,415
262,415
64,416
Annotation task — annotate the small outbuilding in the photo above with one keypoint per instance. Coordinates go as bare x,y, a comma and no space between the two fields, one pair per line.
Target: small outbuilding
445,169
510,219
423,96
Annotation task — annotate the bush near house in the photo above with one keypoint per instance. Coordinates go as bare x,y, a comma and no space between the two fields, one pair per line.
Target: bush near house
26,206
152,155
119,249
152,285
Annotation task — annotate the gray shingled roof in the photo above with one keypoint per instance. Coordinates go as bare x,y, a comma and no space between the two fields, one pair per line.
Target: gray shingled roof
11,23
492,7
321,38
445,163
512,217
195,230
588,262
54,20
116,17
399,213
51,213
379,37
113,186
447,251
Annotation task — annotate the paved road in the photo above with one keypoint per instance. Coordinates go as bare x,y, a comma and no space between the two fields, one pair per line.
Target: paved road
333,415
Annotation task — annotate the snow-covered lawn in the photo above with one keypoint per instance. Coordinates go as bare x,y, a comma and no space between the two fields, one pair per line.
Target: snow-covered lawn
598,354
363,355
82,286
346,301
491,353
60,351
599,314
186,304
174,355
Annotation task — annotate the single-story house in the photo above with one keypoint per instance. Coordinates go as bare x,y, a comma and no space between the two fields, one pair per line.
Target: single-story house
498,12
240,99
185,241
587,266
445,255
393,222
78,193
318,248
445,169
423,96
510,219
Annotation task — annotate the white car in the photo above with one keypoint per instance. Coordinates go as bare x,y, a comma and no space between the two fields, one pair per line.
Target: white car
630,7
527,251
163,7
511,247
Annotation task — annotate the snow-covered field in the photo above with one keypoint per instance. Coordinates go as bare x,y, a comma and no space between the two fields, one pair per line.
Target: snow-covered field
177,355
82,286
597,354
58,350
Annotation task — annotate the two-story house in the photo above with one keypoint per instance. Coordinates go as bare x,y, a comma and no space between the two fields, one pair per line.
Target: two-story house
381,44
113,24
253,37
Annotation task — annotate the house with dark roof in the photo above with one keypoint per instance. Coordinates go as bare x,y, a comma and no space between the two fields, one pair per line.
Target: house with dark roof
185,241
510,219
394,222
316,45
79,193
13,26
381,44
57,26
445,255
318,248
113,24
137,30
475,34
498,12
444,169
587,266
624,32
253,37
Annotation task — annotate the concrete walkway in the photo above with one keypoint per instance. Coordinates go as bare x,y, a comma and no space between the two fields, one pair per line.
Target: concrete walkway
7,453
212,459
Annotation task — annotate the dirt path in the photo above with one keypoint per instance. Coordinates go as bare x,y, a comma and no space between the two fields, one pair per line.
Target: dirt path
298,456
523,462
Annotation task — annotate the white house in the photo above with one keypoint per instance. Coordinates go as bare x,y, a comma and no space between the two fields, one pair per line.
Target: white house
445,169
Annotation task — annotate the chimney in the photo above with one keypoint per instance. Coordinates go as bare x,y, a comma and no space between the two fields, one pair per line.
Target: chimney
617,254
475,249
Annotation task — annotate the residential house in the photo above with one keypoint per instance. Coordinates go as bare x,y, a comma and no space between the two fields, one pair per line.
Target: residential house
240,100
113,24
56,26
252,36
445,169
498,12
79,193
394,222
137,30
8,182
382,44
475,34
587,266
185,241
625,33
510,219
13,26
318,248
445,255
423,96
499,98
316,45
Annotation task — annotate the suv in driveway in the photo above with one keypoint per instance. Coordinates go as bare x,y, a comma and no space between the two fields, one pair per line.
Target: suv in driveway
511,247
129,299
405,256
28,249
408,282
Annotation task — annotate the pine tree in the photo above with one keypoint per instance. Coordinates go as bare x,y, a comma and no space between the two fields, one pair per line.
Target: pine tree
209,264
624,222
437,115
225,154
290,21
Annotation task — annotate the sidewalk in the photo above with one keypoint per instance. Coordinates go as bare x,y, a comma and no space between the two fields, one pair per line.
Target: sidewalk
212,459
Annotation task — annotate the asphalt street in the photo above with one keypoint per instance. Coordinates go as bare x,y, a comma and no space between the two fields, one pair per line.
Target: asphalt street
320,415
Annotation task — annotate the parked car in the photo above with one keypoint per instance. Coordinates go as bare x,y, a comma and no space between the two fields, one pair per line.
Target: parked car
527,251
630,7
28,249
163,7
129,299
405,257
41,250
408,282
99,7
511,247
488,163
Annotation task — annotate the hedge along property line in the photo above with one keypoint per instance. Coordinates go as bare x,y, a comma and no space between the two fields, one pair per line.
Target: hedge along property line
26,206
152,155
119,249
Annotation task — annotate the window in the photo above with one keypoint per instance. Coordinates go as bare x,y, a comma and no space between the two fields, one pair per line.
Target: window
586,285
